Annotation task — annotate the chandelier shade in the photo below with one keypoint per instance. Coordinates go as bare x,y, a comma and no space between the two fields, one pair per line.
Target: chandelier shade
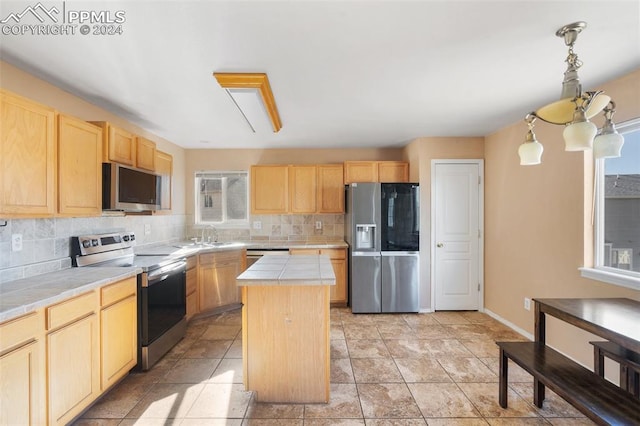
573,110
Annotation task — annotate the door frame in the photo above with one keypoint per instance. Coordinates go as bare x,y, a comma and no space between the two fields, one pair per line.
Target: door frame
432,243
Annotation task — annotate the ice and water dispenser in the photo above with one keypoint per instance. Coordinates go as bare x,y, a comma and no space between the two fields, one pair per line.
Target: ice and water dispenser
365,236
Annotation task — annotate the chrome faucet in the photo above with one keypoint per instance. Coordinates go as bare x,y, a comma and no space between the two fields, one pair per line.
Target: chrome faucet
215,234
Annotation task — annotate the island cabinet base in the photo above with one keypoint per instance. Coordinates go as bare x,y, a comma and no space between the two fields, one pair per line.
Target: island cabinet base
285,342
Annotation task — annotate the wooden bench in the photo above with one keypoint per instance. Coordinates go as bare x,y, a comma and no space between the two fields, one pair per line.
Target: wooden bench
629,364
595,397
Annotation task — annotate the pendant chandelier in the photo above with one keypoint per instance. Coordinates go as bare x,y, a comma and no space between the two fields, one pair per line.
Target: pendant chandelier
573,110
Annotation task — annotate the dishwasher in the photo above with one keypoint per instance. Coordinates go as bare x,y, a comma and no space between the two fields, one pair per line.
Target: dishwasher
254,254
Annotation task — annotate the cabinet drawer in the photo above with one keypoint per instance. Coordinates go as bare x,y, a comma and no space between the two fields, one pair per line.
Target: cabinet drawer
118,291
297,252
20,330
70,310
192,262
192,281
334,253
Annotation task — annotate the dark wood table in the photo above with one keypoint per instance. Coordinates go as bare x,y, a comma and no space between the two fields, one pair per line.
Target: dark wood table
616,320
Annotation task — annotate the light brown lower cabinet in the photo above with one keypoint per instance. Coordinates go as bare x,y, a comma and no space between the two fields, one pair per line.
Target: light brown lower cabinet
73,356
338,294
217,274
22,371
56,361
118,331
192,286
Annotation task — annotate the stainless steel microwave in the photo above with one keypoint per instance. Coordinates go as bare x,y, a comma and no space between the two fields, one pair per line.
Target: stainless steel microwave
129,189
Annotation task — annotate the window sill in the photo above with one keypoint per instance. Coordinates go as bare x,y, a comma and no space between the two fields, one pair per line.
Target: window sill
611,277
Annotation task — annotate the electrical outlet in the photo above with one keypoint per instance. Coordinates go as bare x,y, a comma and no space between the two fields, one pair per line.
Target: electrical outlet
527,303
257,224
318,224
147,228
16,242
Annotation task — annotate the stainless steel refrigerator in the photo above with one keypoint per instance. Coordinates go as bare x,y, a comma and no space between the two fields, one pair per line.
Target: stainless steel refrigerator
382,229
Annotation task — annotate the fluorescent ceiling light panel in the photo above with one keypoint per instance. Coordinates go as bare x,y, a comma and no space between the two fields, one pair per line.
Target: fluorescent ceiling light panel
251,93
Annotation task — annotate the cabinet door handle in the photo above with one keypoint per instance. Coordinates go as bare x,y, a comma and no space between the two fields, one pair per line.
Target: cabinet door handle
440,245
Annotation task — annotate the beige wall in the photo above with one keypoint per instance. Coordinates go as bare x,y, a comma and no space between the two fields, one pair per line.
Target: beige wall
419,153
242,159
21,83
538,224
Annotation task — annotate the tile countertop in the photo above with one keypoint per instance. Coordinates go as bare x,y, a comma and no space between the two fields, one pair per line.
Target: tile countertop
28,294
257,245
289,270
187,248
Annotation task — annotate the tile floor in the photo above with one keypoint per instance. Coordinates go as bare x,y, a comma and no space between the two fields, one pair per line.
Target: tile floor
422,369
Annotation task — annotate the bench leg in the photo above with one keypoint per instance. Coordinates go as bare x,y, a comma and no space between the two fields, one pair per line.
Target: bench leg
538,393
634,384
598,361
625,378
504,375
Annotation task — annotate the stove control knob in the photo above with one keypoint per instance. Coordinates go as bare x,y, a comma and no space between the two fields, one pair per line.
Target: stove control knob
94,243
125,237
133,237
86,243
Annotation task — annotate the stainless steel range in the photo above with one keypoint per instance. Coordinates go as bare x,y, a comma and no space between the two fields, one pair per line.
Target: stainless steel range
161,289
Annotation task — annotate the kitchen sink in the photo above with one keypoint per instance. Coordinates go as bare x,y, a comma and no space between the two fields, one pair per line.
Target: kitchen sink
208,244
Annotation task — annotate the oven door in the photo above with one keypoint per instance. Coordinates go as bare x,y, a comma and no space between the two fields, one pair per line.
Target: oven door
162,300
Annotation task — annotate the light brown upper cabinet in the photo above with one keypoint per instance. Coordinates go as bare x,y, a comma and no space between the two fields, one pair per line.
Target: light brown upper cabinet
360,171
281,189
330,189
376,171
145,154
119,145
269,189
393,171
79,167
164,168
27,158
302,189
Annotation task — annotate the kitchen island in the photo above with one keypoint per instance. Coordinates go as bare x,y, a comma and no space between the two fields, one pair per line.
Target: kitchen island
285,328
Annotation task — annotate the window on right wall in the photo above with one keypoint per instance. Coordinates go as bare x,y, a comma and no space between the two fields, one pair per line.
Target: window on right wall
617,210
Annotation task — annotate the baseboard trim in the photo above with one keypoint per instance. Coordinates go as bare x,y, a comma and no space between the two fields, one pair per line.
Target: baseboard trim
509,324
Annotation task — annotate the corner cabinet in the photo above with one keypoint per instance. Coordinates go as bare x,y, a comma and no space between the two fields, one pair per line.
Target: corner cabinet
22,371
269,189
376,171
118,145
217,274
28,165
338,257
79,170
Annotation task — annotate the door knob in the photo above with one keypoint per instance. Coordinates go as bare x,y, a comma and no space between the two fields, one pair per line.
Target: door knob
439,245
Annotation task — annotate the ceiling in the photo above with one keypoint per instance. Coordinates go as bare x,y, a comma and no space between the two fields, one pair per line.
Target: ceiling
343,73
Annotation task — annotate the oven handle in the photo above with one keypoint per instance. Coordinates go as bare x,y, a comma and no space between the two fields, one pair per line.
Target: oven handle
161,274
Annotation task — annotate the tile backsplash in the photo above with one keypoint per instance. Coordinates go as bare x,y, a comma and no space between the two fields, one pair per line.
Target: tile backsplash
46,242
285,227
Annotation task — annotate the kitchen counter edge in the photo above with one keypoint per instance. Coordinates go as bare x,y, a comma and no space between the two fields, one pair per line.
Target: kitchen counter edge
25,295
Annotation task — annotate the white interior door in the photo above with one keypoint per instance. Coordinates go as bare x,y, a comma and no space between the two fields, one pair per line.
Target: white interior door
456,237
